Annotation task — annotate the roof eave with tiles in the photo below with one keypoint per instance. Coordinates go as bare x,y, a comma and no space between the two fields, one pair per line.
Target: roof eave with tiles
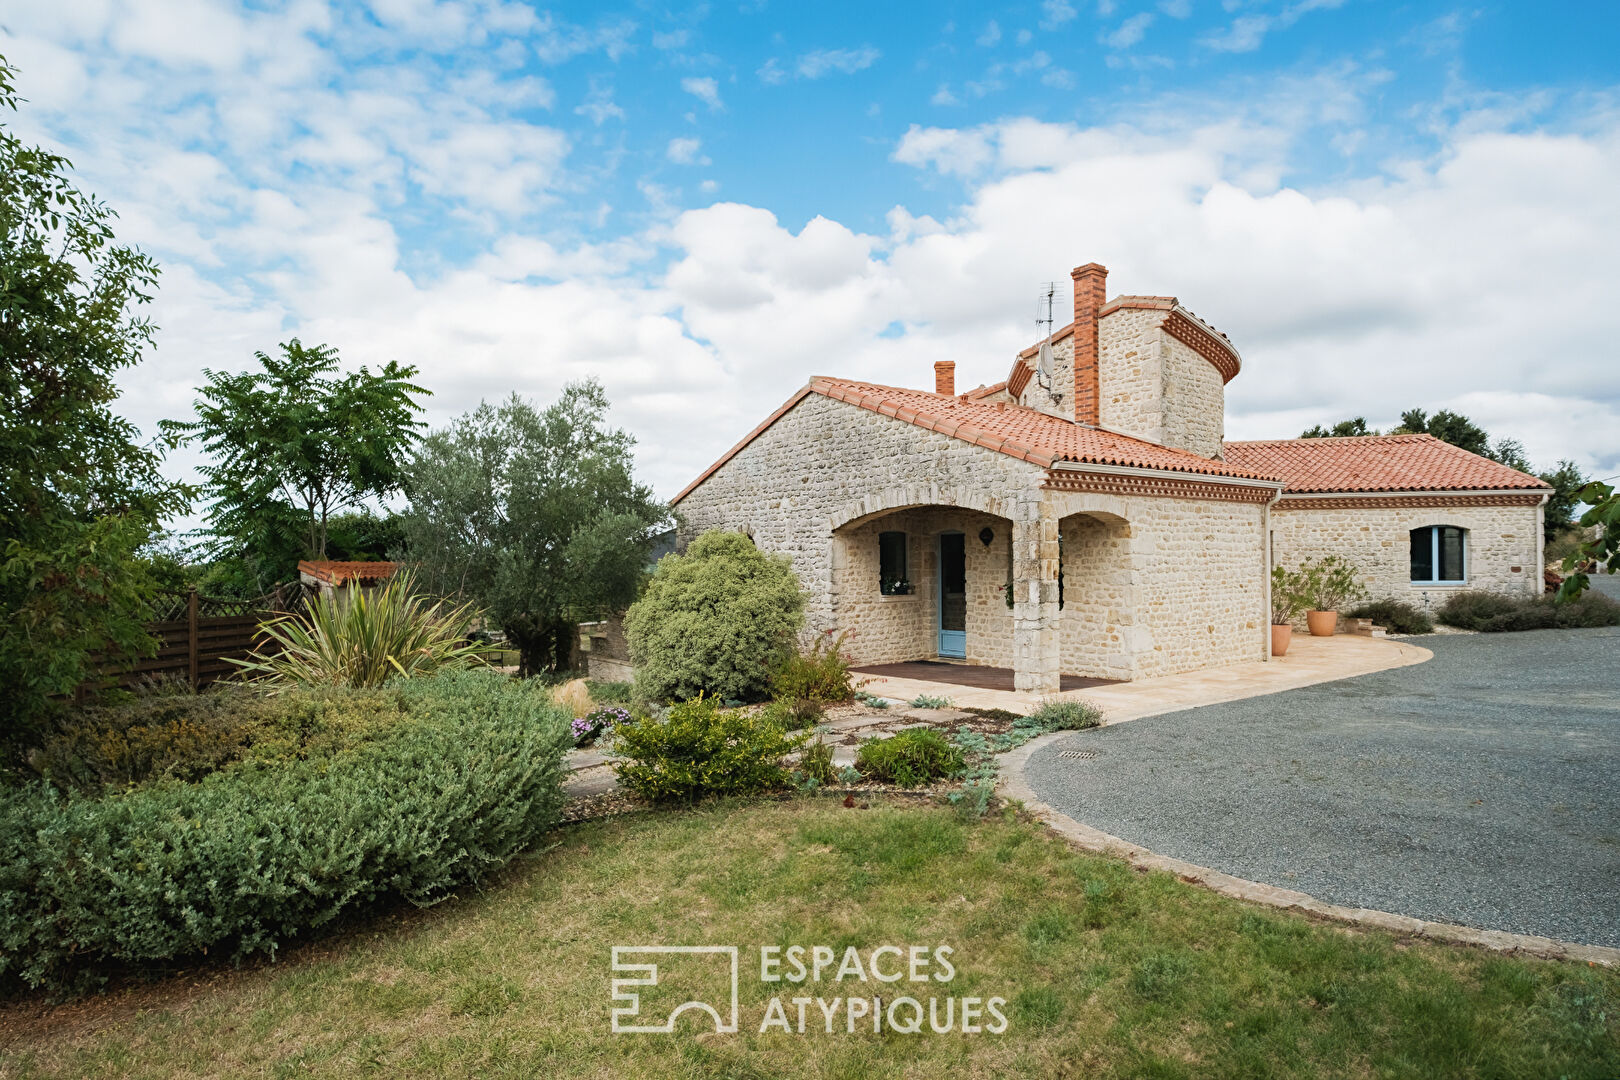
1378,463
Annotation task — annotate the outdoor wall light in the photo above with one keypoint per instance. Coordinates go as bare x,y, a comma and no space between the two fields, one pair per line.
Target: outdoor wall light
986,535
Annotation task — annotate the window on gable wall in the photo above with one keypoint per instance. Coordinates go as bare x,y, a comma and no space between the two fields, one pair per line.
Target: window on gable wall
1438,555
892,579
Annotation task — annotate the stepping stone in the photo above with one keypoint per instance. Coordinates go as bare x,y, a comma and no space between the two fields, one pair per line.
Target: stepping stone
576,760
594,783
938,716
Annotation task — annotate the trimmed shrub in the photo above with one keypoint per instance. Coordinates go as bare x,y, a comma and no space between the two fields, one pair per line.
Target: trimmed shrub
255,855
927,701
700,749
716,621
1474,609
1396,616
820,675
1061,715
910,758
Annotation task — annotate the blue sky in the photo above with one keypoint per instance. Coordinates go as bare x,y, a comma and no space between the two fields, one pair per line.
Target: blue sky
1384,205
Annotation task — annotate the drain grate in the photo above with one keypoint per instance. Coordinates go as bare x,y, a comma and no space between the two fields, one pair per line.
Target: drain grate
1077,755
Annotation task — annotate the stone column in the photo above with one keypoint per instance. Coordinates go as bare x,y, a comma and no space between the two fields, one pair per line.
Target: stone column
1035,597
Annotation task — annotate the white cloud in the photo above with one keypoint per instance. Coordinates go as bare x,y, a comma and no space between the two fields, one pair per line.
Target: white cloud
1176,9
558,41
1057,12
943,96
671,39
990,34
1130,31
704,89
1248,31
684,151
814,65
954,152
598,106
771,72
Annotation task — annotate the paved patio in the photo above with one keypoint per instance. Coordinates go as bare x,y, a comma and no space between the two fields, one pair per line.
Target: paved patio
1310,660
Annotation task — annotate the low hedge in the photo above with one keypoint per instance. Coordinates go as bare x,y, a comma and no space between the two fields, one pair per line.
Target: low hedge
251,857
1396,616
1475,609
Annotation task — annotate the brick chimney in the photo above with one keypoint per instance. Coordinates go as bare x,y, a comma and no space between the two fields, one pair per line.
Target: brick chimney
945,377
1090,294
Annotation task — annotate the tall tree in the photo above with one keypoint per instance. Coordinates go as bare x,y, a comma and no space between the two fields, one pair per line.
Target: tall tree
1458,430
1356,425
79,491
535,515
293,443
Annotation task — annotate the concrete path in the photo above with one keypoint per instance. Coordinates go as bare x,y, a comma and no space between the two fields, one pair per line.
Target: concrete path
1309,660
1480,788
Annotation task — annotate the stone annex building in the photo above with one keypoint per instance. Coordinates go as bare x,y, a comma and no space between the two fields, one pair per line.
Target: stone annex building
1086,517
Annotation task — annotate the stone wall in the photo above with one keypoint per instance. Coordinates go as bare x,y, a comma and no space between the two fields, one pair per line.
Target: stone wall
1042,400
1158,388
1099,597
1502,552
1194,400
1179,584
827,464
1132,373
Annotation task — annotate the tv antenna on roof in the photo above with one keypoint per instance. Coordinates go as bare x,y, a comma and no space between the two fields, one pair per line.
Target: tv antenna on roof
1044,363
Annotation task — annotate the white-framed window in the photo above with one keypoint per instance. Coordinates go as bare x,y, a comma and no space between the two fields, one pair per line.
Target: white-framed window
1439,555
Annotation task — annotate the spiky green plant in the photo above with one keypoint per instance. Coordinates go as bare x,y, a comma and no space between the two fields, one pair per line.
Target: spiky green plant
363,638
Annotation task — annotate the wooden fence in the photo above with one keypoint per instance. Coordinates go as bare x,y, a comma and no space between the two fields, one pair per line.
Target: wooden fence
197,634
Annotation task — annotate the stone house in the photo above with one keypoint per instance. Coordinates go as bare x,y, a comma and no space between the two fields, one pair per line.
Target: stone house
1086,517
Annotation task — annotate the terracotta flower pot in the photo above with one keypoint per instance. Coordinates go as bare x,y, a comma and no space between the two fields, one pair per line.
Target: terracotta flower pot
1322,622
1281,635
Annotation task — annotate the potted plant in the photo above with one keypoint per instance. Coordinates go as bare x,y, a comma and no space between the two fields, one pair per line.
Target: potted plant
1330,583
1287,599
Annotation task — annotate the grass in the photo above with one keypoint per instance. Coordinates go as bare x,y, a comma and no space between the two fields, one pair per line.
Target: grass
1106,971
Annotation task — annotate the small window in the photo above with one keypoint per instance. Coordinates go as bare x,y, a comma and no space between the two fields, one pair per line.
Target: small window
1438,555
892,578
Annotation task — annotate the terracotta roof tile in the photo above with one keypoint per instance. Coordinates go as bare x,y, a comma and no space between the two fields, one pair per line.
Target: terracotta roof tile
1376,463
334,572
1023,432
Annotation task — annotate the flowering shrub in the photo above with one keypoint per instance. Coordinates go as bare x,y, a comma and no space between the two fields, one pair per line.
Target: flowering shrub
598,722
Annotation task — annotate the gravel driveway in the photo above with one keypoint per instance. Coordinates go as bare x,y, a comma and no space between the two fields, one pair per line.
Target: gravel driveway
1482,787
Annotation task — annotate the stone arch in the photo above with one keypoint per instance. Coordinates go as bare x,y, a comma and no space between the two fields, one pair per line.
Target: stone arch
916,496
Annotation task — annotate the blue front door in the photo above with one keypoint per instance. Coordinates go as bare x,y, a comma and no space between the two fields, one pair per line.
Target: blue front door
952,596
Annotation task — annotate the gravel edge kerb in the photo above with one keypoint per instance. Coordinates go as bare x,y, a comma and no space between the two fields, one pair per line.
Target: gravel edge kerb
1013,786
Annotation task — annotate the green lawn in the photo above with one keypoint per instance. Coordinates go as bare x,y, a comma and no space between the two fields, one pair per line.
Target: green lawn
1107,972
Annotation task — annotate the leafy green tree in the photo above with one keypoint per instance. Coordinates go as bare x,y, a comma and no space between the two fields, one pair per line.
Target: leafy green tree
80,492
1600,553
294,443
1559,514
1354,426
535,515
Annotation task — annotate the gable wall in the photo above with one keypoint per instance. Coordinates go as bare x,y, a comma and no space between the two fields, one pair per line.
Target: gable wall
827,462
